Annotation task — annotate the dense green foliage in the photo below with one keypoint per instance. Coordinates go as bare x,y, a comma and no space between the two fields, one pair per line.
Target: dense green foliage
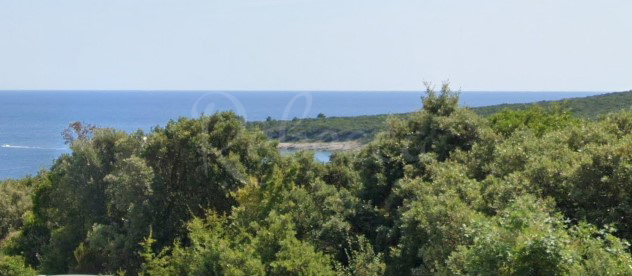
364,128
14,205
95,206
535,118
441,191
14,265
584,107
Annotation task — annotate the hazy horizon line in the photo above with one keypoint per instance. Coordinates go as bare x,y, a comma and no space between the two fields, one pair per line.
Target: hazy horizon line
299,90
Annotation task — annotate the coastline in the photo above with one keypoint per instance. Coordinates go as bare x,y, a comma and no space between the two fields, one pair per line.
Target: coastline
325,146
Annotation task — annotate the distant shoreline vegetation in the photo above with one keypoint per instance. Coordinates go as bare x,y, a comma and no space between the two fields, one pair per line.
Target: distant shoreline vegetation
364,128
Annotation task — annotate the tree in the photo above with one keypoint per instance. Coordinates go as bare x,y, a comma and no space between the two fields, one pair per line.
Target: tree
11,265
536,118
98,203
431,134
77,131
15,203
527,239
218,248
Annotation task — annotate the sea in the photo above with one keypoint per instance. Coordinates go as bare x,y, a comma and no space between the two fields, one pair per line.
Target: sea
31,122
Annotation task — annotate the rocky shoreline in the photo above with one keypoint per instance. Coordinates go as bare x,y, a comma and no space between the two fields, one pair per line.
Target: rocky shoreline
326,146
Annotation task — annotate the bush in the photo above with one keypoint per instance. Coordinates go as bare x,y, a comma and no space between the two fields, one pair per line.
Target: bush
11,265
15,203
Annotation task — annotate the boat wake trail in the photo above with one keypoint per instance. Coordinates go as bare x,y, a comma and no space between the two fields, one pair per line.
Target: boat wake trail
28,147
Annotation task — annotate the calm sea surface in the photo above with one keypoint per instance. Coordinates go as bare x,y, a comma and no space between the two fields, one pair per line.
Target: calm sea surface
31,122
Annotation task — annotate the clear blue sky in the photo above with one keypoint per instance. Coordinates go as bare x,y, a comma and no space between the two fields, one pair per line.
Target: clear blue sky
316,44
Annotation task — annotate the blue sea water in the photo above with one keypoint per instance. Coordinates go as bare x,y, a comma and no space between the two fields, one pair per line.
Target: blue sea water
31,122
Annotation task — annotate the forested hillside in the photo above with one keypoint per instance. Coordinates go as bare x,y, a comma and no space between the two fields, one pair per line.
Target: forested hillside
585,107
364,128
441,191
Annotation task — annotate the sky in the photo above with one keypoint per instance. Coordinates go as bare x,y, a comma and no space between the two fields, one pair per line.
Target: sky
485,45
